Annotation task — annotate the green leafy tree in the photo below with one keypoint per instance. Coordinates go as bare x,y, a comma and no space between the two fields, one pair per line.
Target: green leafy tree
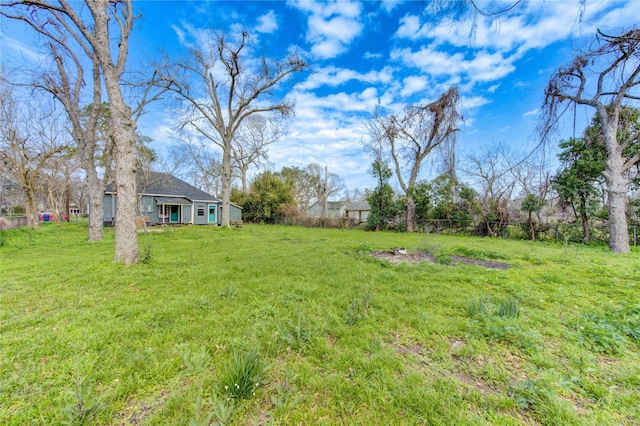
531,204
580,176
422,194
383,207
268,198
606,78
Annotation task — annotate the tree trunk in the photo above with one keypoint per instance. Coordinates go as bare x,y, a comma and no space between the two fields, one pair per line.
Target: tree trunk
123,135
585,227
126,235
616,191
532,229
243,176
226,184
96,195
618,230
411,214
31,211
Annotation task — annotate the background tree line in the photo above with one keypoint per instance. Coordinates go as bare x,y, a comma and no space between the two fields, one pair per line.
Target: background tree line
240,109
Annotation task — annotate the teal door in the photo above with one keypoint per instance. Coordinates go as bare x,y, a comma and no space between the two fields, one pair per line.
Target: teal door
212,214
175,213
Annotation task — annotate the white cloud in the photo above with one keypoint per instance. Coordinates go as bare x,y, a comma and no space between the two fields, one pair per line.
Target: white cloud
334,76
493,88
389,5
22,49
530,25
371,55
413,84
474,102
267,23
533,112
331,26
410,28
482,67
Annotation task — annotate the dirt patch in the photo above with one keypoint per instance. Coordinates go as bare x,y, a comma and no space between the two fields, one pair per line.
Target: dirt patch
399,255
136,412
5,224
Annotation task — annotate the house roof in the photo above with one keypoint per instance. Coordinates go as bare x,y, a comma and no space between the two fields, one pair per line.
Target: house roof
166,185
172,200
331,205
359,206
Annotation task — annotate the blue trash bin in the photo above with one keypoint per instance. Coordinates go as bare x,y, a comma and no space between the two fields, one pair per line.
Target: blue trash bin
46,217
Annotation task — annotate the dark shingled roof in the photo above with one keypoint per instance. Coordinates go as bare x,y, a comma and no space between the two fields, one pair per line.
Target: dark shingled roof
358,205
163,184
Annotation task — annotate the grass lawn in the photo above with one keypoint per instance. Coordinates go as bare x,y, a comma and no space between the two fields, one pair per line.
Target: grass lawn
286,325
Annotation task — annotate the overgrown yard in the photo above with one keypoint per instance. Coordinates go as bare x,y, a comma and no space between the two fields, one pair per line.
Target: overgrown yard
304,326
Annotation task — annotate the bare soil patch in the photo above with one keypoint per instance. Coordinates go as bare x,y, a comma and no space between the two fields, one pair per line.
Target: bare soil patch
399,255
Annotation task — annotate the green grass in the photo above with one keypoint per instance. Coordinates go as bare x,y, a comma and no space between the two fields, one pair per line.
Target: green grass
329,333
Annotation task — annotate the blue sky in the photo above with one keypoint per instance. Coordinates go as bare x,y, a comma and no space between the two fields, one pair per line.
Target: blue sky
391,52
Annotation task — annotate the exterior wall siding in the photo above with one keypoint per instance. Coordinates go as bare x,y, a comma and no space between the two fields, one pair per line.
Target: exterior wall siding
186,214
108,208
235,213
197,219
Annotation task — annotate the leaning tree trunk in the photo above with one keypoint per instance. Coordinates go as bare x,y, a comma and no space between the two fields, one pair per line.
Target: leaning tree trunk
586,231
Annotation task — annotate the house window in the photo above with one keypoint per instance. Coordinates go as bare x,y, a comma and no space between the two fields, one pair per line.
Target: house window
200,211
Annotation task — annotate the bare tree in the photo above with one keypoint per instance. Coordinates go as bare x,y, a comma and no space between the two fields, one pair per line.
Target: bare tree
29,138
411,137
531,175
194,159
489,171
100,28
604,78
222,85
56,179
251,141
310,185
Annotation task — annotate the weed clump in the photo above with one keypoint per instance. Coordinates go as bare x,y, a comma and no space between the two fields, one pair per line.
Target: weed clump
243,374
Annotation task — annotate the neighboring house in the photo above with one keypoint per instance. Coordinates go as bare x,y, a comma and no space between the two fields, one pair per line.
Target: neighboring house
335,209
165,199
358,211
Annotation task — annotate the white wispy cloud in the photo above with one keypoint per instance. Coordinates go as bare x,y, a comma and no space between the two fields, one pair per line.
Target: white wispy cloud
490,53
413,84
331,26
267,23
533,112
483,66
469,102
23,49
335,76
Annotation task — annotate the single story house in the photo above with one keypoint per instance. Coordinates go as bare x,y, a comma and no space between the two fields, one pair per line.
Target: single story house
358,211
335,209
165,199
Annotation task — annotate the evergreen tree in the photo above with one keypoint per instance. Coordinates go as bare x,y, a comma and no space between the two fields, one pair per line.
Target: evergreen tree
380,199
